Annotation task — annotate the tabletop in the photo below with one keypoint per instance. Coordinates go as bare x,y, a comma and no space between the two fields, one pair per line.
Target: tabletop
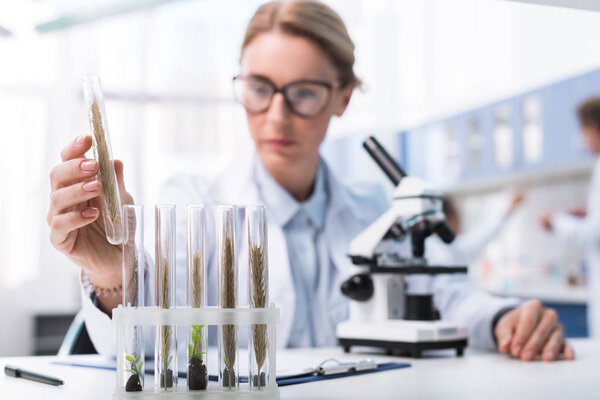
440,376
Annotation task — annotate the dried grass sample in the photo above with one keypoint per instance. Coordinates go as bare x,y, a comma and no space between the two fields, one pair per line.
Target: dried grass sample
228,297
258,300
165,330
107,174
197,280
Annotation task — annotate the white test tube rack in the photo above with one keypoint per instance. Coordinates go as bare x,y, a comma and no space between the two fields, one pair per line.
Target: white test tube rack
124,317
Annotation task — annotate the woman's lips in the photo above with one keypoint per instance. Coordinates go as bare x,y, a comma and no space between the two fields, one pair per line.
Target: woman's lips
279,144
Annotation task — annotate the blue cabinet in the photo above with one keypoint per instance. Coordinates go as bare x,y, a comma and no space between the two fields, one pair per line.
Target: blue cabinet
531,132
573,318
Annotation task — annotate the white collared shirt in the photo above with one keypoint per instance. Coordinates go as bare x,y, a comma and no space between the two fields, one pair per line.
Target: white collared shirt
302,224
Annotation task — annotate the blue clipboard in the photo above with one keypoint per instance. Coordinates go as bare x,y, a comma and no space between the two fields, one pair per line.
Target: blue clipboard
321,373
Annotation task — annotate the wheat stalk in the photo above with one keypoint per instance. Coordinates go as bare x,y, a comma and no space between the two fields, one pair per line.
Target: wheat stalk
259,300
107,175
163,302
196,300
228,301
131,287
259,281
164,281
165,347
197,275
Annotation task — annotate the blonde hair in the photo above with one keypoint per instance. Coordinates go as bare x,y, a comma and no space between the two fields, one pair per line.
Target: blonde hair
314,21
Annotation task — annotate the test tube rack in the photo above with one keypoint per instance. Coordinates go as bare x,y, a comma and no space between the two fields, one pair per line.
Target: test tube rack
124,317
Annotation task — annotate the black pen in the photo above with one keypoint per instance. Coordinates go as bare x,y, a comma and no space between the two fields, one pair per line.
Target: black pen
15,372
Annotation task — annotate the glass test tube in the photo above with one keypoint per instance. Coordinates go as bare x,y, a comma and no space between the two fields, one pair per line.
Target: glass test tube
258,292
165,352
226,257
133,295
111,199
197,374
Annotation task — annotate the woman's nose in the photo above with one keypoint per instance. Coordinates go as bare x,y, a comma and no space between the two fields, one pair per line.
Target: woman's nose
278,111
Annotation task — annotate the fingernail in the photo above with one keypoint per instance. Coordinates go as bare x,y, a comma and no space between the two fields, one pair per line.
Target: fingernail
528,354
79,140
89,212
88,165
90,186
504,343
549,355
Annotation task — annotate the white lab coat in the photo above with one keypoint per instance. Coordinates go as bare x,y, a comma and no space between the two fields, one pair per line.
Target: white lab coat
585,232
467,247
349,211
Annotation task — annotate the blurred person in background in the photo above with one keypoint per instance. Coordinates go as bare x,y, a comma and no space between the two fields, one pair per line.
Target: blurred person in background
581,226
469,245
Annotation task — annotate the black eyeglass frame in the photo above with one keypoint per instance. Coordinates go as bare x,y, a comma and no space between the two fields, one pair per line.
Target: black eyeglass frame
330,87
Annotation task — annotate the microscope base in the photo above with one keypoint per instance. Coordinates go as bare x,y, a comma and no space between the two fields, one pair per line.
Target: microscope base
404,337
409,349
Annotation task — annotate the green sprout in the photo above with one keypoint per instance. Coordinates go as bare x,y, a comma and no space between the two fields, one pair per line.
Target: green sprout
135,366
195,348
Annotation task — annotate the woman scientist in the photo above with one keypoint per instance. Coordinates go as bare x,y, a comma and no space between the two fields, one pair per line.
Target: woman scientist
296,74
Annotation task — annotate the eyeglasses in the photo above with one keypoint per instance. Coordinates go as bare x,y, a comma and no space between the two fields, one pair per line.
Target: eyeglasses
304,98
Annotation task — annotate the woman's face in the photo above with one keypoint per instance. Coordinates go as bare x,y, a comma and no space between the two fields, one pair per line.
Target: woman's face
281,137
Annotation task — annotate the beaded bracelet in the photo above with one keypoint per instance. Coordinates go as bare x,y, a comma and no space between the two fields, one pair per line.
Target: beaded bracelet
100,292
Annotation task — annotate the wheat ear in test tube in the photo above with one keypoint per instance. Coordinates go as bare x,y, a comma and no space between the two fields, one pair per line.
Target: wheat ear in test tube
111,200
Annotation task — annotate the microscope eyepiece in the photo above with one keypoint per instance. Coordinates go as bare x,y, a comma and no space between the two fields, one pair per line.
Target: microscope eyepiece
419,233
359,287
444,232
384,160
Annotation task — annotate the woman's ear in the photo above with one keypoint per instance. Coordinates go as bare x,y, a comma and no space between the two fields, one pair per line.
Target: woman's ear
346,95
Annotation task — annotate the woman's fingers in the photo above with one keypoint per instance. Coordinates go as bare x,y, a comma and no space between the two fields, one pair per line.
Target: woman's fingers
72,171
547,326
505,330
77,148
64,224
530,314
568,352
61,200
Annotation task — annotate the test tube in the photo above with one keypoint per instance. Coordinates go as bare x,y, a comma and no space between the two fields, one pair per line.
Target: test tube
197,374
165,352
226,257
133,295
258,291
111,199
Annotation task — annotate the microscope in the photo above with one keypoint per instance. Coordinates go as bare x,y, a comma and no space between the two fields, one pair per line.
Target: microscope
383,311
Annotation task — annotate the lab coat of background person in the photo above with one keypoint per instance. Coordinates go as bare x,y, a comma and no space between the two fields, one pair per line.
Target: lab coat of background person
581,227
285,42
468,246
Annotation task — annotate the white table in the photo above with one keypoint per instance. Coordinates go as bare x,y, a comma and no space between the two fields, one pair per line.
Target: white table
475,376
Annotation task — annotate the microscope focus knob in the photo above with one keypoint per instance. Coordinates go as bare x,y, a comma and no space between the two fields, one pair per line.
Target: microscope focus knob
359,287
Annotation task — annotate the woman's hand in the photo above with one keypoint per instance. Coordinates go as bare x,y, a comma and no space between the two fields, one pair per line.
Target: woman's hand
516,201
546,220
75,216
529,331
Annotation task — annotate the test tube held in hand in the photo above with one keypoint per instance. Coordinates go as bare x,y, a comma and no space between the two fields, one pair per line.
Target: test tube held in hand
111,200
